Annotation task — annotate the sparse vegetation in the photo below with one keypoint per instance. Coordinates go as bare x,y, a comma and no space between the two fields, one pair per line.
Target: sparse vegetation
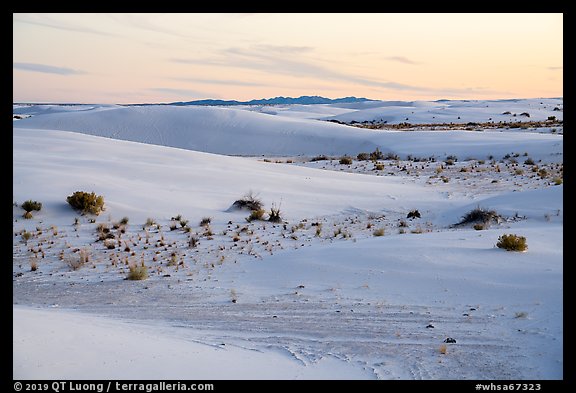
512,242
87,203
378,232
205,221
413,214
319,158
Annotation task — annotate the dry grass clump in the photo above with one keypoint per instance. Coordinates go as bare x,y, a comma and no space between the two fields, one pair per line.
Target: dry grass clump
137,273
379,232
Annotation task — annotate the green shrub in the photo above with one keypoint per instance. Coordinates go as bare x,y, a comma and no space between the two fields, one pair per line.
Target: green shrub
345,160
31,205
138,272
512,243
86,202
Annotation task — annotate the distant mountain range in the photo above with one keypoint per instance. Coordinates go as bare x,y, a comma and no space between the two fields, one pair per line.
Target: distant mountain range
303,100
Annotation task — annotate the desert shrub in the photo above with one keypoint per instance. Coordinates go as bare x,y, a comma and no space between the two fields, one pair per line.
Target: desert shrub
31,205
248,202
479,227
256,215
274,215
449,162
193,242
345,160
26,236
27,215
183,223
452,157
378,167
390,156
557,181
512,243
110,244
378,232
173,226
319,230
150,222
542,173
124,221
205,221
481,216
363,156
86,202
376,155
138,272
33,265
518,172
413,214
319,158
529,161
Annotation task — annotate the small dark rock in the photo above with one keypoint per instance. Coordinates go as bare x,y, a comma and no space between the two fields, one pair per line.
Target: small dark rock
472,309
430,326
466,315
413,214
450,340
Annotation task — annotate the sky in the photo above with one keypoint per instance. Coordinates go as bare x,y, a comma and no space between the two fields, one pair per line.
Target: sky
147,58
